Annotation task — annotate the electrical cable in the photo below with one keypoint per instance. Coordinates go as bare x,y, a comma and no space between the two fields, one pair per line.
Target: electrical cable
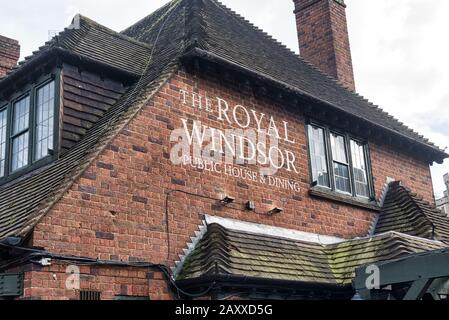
33,254
36,254
89,261
167,212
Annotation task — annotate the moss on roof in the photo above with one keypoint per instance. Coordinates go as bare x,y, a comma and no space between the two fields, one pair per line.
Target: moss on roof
229,252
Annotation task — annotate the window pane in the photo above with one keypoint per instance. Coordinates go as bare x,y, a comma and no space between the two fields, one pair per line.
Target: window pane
338,145
3,122
318,157
342,182
341,166
21,115
20,151
45,99
360,172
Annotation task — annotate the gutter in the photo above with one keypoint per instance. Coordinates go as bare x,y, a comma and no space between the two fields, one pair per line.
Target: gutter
265,284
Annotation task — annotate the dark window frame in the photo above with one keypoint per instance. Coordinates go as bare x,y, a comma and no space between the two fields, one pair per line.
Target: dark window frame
55,120
326,154
12,136
332,161
4,107
31,91
328,130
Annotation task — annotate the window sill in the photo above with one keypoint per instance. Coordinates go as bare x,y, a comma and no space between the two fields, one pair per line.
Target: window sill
26,171
337,197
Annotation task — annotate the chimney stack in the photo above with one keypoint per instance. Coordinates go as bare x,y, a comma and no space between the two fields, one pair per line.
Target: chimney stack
323,38
9,54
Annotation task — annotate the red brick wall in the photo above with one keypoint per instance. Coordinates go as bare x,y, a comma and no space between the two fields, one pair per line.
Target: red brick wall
116,210
9,54
323,38
49,283
413,173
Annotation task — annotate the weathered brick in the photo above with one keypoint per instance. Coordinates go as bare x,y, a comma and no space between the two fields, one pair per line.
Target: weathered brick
155,140
178,182
86,189
9,54
89,176
140,149
140,199
323,38
104,235
106,166
136,232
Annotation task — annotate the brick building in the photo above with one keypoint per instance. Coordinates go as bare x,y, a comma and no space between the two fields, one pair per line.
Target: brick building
99,198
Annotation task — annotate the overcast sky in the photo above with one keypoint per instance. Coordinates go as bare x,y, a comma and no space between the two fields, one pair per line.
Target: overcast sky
400,48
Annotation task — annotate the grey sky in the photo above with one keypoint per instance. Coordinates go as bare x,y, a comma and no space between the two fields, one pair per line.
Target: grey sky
399,47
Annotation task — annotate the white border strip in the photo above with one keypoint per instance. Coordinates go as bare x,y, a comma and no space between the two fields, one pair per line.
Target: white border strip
249,227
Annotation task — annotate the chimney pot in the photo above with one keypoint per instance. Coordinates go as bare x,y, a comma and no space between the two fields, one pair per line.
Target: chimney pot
9,54
323,38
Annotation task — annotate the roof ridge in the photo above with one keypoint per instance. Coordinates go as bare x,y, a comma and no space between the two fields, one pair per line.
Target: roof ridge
194,31
388,234
256,28
161,9
271,231
58,40
160,14
112,32
219,4
418,206
285,47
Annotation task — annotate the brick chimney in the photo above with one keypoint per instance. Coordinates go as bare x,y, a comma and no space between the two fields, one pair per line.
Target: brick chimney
9,54
323,38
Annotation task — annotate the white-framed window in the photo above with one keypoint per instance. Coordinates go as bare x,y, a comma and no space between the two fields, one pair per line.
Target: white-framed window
339,162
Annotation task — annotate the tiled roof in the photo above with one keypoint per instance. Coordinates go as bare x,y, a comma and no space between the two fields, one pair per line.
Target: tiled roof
104,45
221,33
25,201
406,212
215,32
154,48
226,252
90,40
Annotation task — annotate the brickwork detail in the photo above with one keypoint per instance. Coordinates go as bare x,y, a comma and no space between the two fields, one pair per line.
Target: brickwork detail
117,208
323,38
9,54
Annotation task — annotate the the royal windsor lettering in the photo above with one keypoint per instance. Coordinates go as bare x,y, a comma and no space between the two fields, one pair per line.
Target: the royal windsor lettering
252,138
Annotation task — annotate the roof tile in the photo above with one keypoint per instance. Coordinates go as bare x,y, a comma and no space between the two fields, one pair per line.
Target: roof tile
293,260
